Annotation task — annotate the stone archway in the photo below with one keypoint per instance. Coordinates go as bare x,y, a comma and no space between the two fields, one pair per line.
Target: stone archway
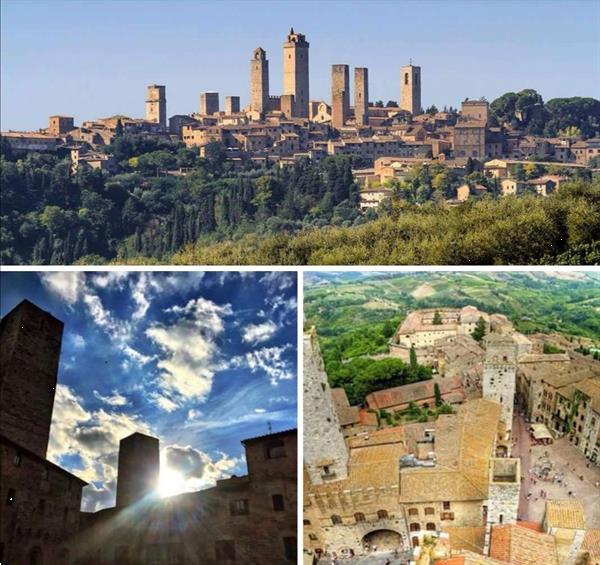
383,540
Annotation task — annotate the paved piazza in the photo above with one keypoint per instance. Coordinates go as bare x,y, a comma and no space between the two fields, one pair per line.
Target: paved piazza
563,460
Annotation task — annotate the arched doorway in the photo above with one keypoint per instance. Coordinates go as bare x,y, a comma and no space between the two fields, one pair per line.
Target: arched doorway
35,556
383,540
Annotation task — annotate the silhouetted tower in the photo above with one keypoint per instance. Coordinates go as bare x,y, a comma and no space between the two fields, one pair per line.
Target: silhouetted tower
139,467
295,71
29,354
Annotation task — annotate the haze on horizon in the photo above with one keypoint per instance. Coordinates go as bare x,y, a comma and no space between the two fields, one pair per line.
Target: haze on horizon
94,59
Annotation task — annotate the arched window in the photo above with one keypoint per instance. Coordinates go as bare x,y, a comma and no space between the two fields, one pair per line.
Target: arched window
430,526
382,514
335,519
415,527
405,78
359,517
413,511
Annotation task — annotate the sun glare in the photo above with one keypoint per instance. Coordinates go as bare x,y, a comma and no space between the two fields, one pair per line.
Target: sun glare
171,483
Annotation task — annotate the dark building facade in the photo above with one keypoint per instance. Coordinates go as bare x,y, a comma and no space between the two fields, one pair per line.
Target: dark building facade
39,502
249,520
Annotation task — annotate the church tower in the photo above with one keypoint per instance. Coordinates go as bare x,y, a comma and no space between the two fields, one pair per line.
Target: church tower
410,89
295,72
31,341
499,375
156,105
259,81
325,452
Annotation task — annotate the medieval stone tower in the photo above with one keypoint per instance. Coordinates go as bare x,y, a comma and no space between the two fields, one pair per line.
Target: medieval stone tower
259,81
156,105
499,375
295,72
325,452
361,96
340,95
139,467
31,341
410,89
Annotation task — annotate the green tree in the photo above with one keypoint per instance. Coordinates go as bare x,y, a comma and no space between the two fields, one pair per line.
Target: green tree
438,394
479,330
437,318
388,329
413,358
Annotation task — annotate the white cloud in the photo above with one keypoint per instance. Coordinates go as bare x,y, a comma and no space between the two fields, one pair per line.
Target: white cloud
93,436
164,402
190,349
114,399
276,281
110,279
257,333
78,341
268,360
260,410
139,294
193,413
197,468
66,285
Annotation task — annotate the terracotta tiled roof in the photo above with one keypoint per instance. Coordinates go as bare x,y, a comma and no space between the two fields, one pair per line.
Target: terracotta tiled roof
565,514
514,544
591,544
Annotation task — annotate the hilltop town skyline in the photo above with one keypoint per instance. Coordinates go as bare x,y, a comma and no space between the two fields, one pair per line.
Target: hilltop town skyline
114,87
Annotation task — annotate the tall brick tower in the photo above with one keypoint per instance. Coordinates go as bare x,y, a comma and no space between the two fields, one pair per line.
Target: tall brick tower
499,375
31,341
340,95
325,452
295,72
259,81
410,89
361,96
139,467
156,105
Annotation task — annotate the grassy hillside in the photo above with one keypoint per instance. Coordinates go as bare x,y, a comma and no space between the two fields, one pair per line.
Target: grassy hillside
353,315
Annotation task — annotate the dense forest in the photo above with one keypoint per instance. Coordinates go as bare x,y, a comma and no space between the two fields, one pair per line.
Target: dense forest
50,216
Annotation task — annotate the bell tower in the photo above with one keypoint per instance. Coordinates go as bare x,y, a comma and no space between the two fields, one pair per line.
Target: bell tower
410,89
295,72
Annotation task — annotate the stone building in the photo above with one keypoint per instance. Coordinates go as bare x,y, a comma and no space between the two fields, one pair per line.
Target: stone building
469,139
340,95
249,519
409,481
361,96
40,502
295,72
499,375
325,452
59,125
232,105
418,330
259,81
475,110
156,105
410,89
138,468
209,103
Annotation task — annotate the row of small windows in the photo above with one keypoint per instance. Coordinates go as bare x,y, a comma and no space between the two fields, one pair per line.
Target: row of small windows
241,507
383,515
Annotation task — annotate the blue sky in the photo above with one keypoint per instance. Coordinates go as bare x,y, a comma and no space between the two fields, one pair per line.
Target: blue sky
199,360
93,59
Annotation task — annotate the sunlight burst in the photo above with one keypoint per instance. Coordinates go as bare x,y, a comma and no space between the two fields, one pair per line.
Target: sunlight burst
171,483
